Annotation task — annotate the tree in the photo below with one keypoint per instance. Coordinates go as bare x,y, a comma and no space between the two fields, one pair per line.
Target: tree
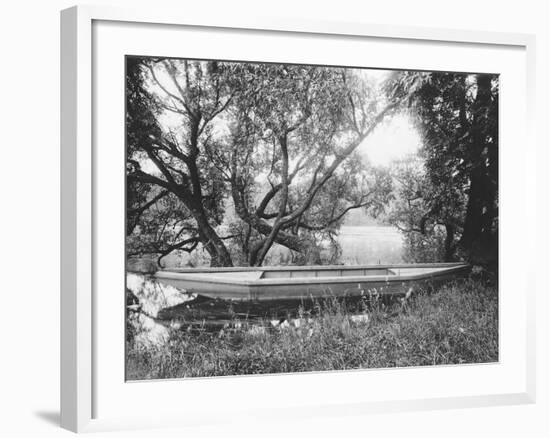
275,143
457,115
197,93
298,128
429,216
480,236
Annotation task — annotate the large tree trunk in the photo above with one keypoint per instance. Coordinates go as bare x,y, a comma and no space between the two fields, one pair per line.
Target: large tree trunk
219,255
479,239
288,240
449,242
212,243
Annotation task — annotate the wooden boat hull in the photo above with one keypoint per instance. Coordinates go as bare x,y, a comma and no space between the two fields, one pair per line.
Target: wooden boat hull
302,282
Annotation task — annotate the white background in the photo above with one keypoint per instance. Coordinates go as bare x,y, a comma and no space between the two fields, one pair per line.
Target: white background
29,169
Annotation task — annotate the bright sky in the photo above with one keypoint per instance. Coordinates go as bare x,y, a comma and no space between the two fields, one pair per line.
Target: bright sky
395,138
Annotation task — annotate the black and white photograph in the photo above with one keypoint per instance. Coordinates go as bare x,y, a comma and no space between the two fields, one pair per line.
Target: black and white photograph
285,218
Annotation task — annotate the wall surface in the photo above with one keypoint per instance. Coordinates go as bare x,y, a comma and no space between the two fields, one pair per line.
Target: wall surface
29,219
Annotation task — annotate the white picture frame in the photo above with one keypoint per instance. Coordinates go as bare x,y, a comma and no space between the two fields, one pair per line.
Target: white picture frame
80,308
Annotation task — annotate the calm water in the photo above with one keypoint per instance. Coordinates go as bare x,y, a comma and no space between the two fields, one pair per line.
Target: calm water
361,245
366,245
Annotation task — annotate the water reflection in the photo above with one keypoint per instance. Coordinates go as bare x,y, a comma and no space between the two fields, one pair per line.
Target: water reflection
155,310
147,297
154,296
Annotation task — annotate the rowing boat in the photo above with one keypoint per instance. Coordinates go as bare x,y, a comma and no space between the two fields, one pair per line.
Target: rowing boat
299,282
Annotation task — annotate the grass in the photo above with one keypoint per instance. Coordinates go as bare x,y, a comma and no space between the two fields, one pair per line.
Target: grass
457,324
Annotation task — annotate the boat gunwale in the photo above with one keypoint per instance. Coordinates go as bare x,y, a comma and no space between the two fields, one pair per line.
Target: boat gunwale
314,267
183,276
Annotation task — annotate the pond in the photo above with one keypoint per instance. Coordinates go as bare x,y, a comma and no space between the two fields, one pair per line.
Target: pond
370,245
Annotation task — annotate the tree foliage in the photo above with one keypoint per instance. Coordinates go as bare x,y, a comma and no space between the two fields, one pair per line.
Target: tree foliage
235,158
246,156
457,115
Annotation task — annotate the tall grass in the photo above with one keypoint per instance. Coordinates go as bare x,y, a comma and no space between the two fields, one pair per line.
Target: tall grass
457,324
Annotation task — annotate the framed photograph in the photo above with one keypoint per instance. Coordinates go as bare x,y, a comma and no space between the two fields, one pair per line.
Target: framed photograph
266,218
